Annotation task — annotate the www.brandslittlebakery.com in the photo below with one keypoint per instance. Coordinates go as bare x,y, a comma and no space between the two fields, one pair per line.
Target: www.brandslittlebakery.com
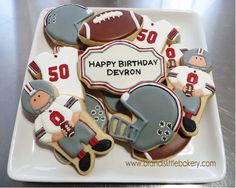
171,163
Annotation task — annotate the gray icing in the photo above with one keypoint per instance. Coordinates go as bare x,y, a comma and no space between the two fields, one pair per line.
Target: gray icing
96,111
157,114
190,104
63,23
188,54
113,102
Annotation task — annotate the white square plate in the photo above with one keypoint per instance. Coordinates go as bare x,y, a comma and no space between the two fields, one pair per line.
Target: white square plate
30,162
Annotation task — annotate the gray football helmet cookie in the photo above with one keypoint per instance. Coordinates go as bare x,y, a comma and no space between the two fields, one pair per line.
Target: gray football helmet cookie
158,115
63,23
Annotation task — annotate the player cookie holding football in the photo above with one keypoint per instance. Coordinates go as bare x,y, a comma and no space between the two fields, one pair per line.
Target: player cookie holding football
59,121
191,82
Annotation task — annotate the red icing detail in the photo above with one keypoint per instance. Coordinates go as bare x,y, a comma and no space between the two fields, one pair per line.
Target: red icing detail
149,36
173,33
81,154
81,52
192,78
170,52
184,50
28,88
70,102
34,66
188,115
93,141
56,118
42,131
63,72
53,74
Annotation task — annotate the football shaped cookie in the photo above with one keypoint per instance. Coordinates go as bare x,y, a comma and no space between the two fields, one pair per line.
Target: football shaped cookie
111,25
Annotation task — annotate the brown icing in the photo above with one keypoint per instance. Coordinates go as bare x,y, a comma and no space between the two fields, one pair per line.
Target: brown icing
112,28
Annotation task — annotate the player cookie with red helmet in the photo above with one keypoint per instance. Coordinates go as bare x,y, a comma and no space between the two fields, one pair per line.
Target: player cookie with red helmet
194,85
62,124
109,26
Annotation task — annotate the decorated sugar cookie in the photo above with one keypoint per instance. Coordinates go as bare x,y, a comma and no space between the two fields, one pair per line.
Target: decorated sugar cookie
62,124
176,145
97,111
109,26
149,127
113,103
193,85
63,23
60,69
155,34
173,54
117,66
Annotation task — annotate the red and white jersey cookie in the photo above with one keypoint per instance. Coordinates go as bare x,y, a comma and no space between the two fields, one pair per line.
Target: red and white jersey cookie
155,34
59,69
111,25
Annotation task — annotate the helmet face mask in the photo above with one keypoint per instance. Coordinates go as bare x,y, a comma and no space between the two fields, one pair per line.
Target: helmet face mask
36,89
198,59
157,111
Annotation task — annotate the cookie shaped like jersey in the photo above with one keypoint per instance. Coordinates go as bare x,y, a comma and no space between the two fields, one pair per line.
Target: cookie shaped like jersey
157,115
156,34
62,24
59,69
110,25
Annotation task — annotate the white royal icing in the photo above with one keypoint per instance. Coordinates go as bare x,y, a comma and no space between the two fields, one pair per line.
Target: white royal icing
148,156
87,30
182,74
107,15
119,66
134,19
161,29
43,121
61,71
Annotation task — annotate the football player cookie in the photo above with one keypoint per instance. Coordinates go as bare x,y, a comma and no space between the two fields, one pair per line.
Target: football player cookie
149,127
62,124
97,111
62,24
60,69
120,65
109,26
155,34
192,83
